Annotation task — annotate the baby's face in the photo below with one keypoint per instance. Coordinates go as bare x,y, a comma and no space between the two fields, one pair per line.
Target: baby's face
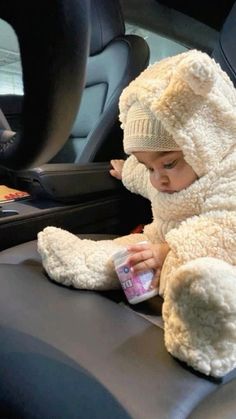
169,172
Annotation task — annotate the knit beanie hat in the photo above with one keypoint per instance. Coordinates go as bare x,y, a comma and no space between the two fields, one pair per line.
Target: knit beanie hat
144,132
193,102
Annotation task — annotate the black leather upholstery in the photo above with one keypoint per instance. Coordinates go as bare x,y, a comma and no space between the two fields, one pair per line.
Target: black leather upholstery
49,332
107,24
104,349
218,405
115,59
53,40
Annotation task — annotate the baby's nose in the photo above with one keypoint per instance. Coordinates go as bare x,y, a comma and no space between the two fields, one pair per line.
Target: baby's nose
164,180
160,181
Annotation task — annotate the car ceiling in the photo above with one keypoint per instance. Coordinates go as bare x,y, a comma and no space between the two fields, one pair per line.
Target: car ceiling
212,14
170,23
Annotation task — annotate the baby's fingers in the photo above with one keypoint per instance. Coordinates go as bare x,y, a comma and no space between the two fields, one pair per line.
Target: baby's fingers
139,257
115,174
156,279
117,164
139,247
143,266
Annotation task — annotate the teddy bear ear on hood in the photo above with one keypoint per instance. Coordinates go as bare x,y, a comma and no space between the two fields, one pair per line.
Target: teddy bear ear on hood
194,100
197,70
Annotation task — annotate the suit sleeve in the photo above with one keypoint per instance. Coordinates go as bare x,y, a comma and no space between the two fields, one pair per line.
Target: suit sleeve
211,234
135,177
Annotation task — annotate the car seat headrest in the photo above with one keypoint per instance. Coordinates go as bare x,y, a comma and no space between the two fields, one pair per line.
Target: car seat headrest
106,24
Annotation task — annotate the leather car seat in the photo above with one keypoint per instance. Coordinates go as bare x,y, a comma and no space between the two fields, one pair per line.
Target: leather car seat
224,51
78,354
114,60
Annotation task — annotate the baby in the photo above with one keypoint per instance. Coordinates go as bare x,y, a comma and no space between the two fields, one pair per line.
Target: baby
179,122
169,173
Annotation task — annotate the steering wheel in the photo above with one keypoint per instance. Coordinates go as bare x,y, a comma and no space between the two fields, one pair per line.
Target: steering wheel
53,40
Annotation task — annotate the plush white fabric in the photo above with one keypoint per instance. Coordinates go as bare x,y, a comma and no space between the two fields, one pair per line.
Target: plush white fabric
198,280
84,264
199,315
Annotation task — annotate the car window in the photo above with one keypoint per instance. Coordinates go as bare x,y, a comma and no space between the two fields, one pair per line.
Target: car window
160,47
10,62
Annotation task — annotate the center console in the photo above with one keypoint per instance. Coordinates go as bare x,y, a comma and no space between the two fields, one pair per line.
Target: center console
79,198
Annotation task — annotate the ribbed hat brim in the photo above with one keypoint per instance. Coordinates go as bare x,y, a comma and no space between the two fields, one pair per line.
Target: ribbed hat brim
144,132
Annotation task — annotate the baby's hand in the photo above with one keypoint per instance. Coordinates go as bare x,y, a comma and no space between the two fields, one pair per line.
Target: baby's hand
117,168
148,256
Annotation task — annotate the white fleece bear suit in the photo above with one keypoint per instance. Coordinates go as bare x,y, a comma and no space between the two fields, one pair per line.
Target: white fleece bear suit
196,103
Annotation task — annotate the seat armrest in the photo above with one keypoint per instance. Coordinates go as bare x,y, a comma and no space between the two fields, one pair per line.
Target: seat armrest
67,182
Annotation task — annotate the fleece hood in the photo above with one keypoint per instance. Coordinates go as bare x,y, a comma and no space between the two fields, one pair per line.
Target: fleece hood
194,100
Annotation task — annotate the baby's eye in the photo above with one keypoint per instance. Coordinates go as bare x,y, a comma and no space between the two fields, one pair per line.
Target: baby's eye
170,165
150,169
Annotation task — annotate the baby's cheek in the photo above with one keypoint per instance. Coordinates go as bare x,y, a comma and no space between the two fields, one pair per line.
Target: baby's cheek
152,180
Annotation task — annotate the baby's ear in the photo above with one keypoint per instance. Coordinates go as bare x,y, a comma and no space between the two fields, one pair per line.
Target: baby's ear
198,71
